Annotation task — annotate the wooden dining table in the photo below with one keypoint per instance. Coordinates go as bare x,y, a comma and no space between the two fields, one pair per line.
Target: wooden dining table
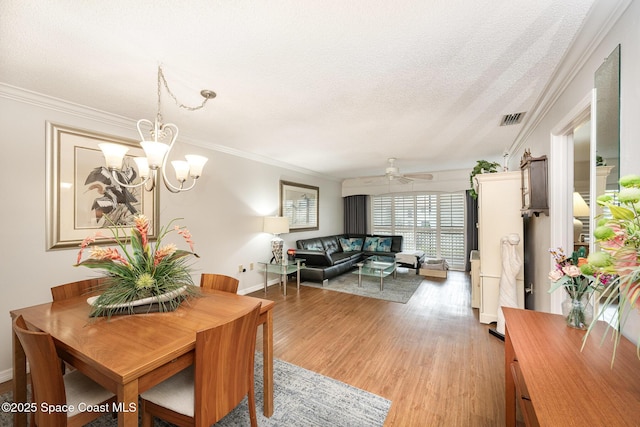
129,354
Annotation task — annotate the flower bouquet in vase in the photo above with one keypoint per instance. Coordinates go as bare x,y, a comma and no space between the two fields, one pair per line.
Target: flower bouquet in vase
155,277
579,286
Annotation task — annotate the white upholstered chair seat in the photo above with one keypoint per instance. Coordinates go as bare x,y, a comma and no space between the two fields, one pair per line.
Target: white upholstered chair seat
82,389
175,393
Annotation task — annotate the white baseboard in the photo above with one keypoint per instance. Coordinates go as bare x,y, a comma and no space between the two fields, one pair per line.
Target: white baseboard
259,287
488,318
6,375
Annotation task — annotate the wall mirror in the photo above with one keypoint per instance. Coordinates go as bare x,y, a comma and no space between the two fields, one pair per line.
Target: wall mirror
603,115
605,154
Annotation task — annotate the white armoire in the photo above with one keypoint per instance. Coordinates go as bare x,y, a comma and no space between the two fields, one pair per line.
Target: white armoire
499,204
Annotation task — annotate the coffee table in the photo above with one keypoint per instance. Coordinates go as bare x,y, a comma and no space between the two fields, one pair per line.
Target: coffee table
376,266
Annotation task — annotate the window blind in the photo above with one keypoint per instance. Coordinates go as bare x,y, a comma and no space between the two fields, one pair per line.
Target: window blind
433,223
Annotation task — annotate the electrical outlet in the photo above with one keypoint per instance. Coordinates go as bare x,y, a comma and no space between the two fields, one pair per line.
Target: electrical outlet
240,268
251,266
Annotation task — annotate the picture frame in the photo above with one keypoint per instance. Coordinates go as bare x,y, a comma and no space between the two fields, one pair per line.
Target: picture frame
300,203
80,196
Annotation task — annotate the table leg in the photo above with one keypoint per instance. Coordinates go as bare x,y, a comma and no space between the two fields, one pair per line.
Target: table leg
284,279
265,279
128,404
267,354
19,380
359,275
298,273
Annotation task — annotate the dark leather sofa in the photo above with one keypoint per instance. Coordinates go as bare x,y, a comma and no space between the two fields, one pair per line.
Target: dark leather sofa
330,256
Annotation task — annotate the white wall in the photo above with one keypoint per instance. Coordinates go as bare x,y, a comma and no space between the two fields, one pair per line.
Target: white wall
224,212
626,32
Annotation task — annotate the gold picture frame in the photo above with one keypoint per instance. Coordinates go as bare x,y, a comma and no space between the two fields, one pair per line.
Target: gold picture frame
80,197
300,203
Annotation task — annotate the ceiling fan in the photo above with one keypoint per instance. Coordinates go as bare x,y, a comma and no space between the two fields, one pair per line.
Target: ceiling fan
392,174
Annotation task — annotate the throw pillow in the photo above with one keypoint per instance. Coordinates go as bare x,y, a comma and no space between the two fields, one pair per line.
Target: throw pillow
370,244
353,244
384,244
356,244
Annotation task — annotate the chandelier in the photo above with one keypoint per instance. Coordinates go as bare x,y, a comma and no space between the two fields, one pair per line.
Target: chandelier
157,148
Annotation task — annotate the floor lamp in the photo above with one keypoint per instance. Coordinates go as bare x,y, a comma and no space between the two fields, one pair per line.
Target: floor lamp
276,225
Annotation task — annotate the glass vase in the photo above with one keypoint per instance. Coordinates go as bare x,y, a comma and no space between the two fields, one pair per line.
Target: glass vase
578,312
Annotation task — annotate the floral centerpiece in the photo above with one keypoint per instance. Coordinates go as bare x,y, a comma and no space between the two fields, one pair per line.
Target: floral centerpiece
579,285
158,273
619,257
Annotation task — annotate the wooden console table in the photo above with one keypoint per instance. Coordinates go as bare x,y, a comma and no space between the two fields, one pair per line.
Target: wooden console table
556,384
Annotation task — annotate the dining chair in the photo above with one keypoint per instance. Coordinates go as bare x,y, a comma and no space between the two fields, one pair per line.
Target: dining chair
219,379
52,390
74,289
219,282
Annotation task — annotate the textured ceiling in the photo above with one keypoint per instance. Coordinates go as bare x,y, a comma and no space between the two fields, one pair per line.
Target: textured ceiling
332,86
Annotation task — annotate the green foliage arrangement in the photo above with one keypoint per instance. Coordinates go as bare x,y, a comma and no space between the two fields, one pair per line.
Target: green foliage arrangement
482,166
159,273
619,257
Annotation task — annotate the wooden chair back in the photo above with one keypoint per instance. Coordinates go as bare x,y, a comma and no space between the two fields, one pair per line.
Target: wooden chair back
219,282
223,375
224,368
47,381
46,377
74,289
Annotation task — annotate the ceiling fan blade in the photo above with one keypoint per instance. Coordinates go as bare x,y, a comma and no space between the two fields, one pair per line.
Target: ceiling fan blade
421,175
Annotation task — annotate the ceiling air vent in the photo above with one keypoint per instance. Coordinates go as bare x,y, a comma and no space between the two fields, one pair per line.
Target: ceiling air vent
511,119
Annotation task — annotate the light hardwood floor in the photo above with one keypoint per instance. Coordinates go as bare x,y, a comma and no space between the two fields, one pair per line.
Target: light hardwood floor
431,357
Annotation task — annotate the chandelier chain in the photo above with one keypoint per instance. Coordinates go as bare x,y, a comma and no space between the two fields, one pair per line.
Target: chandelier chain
162,80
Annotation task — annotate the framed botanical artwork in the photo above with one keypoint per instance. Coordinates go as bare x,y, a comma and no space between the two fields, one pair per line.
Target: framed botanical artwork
299,203
81,195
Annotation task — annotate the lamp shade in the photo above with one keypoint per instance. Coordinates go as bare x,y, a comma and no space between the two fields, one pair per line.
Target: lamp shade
580,207
143,166
196,164
276,224
155,152
182,169
113,154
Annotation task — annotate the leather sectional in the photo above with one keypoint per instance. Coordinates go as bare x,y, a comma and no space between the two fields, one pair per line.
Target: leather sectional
330,256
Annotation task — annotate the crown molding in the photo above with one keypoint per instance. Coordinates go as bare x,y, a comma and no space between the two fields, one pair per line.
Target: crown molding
601,18
46,102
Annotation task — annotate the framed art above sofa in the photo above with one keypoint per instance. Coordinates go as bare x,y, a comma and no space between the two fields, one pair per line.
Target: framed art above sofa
299,203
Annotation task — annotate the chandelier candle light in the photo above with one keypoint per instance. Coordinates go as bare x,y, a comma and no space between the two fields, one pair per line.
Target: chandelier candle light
156,151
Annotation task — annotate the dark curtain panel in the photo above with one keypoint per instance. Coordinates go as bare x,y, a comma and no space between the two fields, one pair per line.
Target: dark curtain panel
355,214
472,229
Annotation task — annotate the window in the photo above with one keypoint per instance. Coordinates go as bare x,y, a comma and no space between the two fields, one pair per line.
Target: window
433,223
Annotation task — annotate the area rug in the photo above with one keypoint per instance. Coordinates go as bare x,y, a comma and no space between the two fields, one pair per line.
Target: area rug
301,398
398,289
